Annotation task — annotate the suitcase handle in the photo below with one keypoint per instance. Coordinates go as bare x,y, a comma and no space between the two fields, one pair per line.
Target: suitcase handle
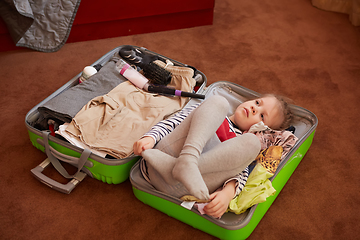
63,157
64,188
75,178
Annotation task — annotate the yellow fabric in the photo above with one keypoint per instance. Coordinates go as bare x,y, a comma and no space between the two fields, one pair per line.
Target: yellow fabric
257,188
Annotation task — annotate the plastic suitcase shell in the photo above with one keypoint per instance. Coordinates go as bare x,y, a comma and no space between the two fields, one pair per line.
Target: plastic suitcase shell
230,225
111,171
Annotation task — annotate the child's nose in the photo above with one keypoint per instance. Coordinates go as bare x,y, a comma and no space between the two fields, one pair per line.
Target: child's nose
253,109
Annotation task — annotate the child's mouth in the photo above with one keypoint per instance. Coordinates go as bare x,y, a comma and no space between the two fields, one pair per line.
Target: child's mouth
246,112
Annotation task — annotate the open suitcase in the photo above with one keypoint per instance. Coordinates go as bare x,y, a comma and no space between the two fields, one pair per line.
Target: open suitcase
230,225
58,150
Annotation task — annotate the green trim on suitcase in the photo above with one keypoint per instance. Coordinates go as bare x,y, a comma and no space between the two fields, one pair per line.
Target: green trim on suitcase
189,217
114,174
108,174
33,138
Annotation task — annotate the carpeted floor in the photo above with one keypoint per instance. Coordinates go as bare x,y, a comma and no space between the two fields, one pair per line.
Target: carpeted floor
291,48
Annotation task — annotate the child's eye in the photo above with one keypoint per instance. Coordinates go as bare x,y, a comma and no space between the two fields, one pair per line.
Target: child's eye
262,117
257,102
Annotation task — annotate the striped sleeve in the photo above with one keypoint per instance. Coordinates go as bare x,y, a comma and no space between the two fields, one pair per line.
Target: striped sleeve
164,127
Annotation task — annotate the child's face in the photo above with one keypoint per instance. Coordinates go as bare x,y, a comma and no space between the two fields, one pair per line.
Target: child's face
266,109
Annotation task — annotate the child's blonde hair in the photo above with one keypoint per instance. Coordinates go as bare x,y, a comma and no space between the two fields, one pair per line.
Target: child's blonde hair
285,107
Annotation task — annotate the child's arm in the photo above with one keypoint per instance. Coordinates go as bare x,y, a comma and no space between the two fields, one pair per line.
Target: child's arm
160,130
220,200
164,127
143,144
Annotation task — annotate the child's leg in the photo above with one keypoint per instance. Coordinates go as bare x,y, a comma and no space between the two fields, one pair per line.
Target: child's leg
176,189
162,158
228,159
205,122
192,135
216,166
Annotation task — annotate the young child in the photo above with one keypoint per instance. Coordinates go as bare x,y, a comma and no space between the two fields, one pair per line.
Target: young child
190,159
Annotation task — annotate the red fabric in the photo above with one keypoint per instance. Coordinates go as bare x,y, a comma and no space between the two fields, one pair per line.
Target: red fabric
224,132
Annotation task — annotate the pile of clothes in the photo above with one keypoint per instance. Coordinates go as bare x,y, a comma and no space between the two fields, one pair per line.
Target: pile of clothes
107,113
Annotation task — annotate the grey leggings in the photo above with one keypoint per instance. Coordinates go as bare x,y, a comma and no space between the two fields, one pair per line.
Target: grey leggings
217,164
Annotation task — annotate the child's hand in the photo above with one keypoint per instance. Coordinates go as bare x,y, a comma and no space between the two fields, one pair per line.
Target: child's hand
143,144
220,200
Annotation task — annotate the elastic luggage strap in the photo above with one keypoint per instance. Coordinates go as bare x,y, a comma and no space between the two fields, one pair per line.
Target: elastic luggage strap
57,165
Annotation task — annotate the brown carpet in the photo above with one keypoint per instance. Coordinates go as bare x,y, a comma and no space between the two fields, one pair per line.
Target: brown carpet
287,47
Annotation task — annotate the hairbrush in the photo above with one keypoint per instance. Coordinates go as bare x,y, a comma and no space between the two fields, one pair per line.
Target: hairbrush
135,56
142,82
156,74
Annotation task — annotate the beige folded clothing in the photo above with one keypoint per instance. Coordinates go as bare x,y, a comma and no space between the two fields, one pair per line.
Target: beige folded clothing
113,122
